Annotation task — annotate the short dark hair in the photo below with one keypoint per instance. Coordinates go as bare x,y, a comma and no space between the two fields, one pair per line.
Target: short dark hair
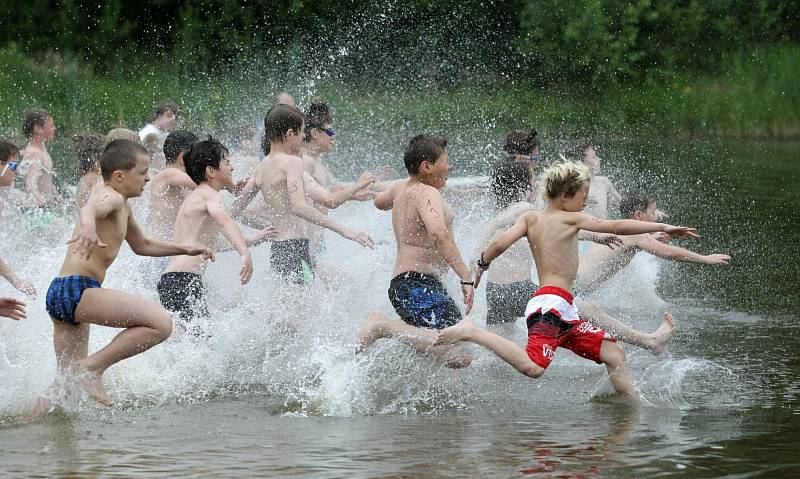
202,154
279,120
88,148
423,148
120,155
577,150
521,142
633,201
177,142
164,107
8,150
317,115
31,118
511,179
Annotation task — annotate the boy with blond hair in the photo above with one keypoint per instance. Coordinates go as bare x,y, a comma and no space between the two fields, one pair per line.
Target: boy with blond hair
551,315
75,299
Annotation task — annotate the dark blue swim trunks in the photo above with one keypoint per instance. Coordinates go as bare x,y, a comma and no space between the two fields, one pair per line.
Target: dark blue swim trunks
64,294
421,300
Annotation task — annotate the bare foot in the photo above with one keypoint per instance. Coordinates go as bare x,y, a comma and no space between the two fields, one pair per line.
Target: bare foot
663,335
93,384
369,332
454,334
42,406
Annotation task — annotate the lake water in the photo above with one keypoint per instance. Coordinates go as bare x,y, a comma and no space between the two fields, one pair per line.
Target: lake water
277,392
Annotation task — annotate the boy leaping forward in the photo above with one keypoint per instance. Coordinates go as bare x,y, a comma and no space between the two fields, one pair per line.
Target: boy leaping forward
75,299
552,318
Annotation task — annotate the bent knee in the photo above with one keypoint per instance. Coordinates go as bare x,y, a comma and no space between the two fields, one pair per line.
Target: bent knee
532,370
613,354
163,326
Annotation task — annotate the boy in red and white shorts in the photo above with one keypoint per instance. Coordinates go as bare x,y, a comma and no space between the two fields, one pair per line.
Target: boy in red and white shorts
551,316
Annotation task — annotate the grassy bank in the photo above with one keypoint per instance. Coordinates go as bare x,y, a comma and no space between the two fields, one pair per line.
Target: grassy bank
755,96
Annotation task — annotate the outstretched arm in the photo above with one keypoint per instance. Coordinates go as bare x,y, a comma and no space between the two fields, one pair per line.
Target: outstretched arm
384,200
334,199
144,246
298,206
676,253
232,232
628,227
503,242
245,196
494,225
17,282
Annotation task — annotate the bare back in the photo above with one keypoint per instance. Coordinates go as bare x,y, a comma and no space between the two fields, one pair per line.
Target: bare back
112,230
416,248
553,238
165,201
274,191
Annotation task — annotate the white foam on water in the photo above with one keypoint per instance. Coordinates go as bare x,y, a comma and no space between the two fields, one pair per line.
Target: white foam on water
297,345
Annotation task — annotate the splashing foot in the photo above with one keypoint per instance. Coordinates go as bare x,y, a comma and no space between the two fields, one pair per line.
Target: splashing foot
92,383
663,335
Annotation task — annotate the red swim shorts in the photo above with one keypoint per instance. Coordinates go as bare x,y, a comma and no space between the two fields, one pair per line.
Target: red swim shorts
553,322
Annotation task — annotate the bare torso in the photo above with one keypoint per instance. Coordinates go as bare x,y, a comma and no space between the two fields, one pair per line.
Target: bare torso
515,264
599,263
165,201
277,209
111,230
193,225
39,173
554,244
416,249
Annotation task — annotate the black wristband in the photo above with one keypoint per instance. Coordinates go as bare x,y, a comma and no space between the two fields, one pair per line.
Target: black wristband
471,283
484,265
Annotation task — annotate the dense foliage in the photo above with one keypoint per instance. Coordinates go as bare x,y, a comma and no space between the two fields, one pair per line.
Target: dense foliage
592,42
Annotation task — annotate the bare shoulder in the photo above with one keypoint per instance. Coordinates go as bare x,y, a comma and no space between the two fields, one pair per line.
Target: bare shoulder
107,194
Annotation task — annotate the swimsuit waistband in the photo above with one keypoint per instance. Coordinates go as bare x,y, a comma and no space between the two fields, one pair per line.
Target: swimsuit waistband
417,275
555,290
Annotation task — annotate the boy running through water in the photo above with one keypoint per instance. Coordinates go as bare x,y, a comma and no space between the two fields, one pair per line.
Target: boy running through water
200,219
423,227
598,265
75,299
283,190
551,316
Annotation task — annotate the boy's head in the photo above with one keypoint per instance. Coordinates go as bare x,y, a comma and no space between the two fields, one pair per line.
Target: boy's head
125,165
9,161
123,134
283,124
205,159
318,125
177,143
165,114
583,151
283,97
523,144
511,181
38,122
636,205
422,153
564,179
88,148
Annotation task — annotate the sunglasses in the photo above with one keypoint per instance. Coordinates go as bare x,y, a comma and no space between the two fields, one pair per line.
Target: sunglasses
328,131
10,165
